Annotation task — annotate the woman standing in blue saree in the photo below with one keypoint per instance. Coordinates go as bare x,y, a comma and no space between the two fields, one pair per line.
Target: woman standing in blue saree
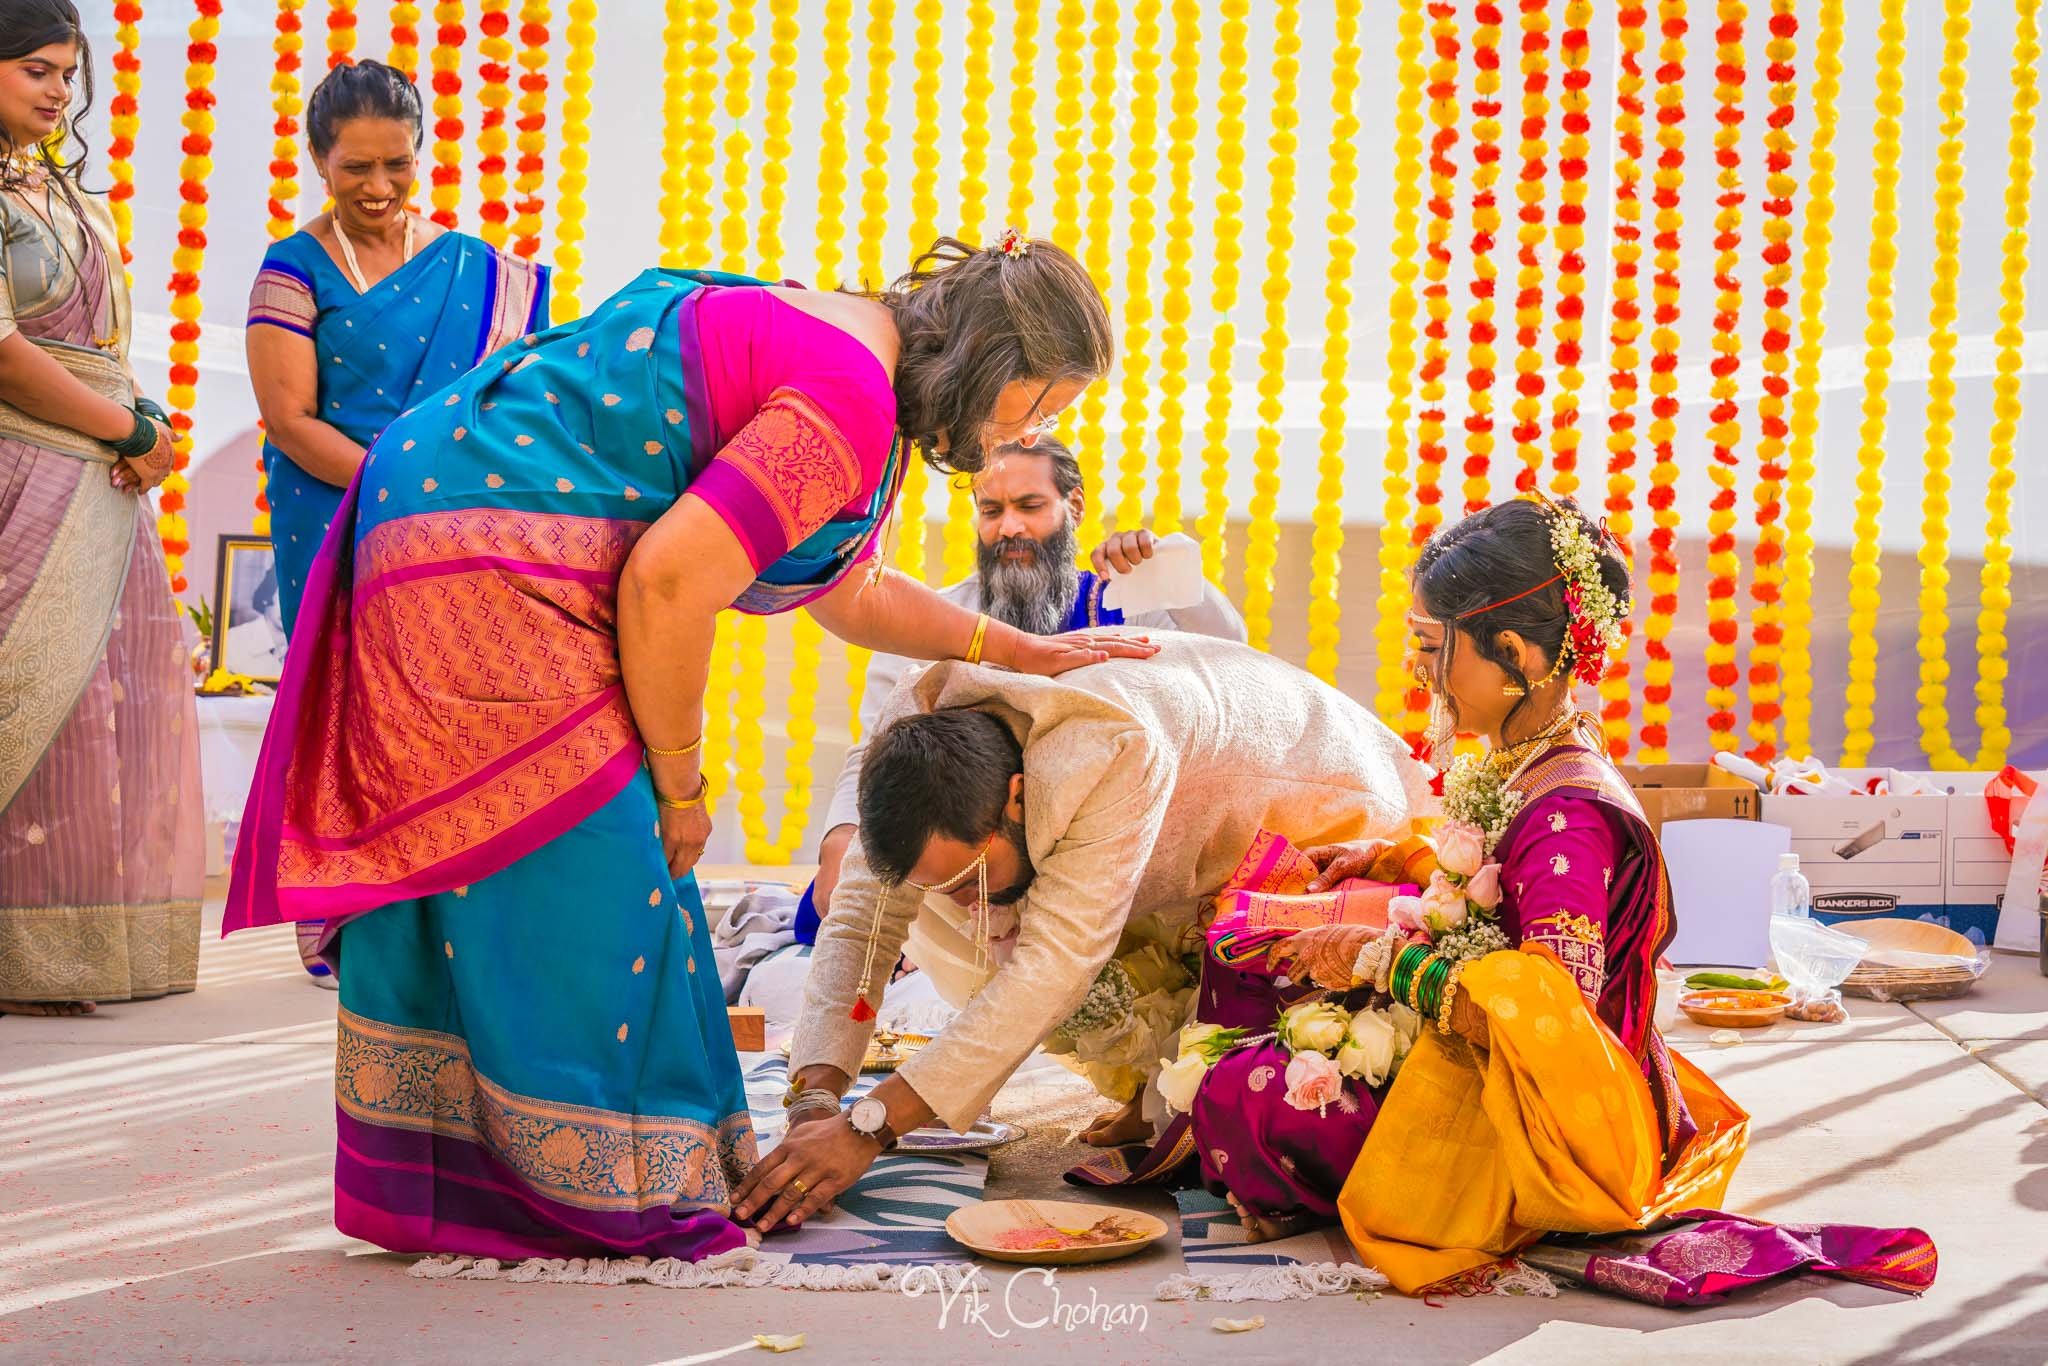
366,310
483,770
360,314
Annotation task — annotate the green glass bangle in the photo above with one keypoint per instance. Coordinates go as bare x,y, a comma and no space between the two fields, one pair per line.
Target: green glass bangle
1430,990
1411,957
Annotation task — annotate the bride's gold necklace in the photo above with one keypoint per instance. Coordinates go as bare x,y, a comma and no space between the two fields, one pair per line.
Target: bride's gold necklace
1511,761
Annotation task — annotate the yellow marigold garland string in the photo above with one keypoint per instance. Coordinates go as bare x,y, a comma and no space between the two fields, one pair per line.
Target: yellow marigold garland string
405,38
1069,73
531,128
1725,433
188,259
446,59
1233,62
874,227
735,237
1436,295
1865,567
833,150
957,533
124,121
1625,331
1390,630
701,149
1575,52
1185,105
1528,406
1262,540
1995,582
1816,243
928,60
678,33
574,177
1483,357
1667,181
1941,390
1090,438
1766,631
1133,462
493,97
1023,146
778,104
341,33
1326,540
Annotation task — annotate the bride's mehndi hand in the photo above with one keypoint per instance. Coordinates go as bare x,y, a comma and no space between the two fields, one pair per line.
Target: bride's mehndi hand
1324,954
1337,863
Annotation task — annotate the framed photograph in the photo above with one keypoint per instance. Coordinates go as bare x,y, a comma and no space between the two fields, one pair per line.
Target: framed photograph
248,613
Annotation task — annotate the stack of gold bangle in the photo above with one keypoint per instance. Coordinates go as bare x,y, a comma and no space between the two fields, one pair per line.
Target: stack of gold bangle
703,779
980,633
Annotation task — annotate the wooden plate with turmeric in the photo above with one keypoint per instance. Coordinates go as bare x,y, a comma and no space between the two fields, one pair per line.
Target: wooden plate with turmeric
1735,1009
1052,1232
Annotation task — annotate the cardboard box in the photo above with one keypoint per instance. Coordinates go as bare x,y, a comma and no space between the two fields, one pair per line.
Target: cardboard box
749,1028
1690,792
1929,857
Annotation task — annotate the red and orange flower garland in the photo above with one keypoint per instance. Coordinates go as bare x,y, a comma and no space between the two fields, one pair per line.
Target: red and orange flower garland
286,103
449,36
124,114
341,33
1575,50
405,38
1436,269
1528,429
187,260
1444,113
1483,357
1725,417
532,126
493,97
1625,332
1668,179
1766,630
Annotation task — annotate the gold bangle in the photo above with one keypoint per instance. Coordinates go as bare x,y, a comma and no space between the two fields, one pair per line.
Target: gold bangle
1443,1012
657,750
974,645
691,804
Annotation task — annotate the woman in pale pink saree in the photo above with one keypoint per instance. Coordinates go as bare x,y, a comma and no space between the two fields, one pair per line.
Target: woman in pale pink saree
100,817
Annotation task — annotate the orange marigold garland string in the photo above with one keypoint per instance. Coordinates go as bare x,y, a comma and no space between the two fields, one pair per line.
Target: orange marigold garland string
494,97
187,261
1667,181
1817,241
446,58
1528,430
1575,51
1766,629
1625,332
1725,433
405,38
287,104
1436,294
1390,679
1483,357
341,33
124,120
532,139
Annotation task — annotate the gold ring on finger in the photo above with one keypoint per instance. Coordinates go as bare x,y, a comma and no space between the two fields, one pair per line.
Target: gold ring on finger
796,1184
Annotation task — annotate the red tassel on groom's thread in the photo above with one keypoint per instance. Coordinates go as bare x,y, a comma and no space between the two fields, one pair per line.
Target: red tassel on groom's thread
862,1012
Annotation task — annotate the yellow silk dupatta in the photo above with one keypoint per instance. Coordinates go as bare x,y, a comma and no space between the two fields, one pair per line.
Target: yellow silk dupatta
1553,1130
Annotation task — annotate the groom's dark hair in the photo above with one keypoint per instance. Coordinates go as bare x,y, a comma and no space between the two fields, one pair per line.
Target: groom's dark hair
935,773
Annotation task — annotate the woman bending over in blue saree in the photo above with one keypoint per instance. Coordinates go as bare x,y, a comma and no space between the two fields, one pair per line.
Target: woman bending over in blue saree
359,315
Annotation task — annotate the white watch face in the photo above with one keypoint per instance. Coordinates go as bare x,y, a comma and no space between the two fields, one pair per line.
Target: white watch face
869,1115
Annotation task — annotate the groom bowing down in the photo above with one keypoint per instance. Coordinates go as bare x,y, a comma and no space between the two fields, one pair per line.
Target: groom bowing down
1049,849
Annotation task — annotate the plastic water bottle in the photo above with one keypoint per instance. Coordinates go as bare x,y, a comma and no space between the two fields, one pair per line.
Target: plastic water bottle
1790,893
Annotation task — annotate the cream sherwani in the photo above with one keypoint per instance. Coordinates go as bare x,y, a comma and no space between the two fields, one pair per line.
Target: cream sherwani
1145,781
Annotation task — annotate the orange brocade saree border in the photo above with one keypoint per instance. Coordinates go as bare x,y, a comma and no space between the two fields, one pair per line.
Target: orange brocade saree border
475,685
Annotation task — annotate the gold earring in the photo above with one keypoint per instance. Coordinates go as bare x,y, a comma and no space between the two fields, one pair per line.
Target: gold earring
1513,689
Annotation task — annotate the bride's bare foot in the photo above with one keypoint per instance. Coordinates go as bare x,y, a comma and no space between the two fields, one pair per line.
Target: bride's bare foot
47,1007
1117,1128
1260,1229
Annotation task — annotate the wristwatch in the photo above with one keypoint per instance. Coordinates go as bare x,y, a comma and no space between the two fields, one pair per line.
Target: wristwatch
870,1119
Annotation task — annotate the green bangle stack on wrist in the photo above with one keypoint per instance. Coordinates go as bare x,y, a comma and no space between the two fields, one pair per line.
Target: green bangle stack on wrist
1429,986
1402,980
141,438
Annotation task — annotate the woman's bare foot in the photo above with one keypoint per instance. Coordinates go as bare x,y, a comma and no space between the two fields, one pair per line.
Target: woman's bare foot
1260,1229
47,1008
1117,1128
